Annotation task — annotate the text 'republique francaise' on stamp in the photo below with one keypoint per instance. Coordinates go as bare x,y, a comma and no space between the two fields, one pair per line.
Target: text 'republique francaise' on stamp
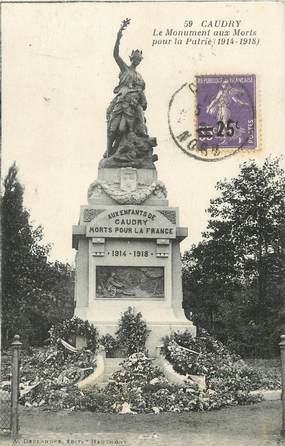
214,117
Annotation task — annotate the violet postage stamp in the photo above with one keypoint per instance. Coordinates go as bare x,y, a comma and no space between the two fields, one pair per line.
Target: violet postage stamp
226,116
215,116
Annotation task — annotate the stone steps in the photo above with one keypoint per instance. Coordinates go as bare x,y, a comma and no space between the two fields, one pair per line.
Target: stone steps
110,366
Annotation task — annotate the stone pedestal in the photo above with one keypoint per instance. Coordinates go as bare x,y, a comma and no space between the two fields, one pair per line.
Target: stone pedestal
128,254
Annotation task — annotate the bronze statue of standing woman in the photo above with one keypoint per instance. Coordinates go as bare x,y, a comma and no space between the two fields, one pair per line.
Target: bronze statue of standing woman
125,114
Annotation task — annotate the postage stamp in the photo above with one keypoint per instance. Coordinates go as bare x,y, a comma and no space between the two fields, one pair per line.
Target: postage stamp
226,111
214,116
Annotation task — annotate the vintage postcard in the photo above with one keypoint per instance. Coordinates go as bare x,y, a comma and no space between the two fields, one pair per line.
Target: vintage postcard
143,215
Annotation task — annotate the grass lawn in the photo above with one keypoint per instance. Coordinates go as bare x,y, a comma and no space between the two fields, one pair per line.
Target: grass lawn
254,425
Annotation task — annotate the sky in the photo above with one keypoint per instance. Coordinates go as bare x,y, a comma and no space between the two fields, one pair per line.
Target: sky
58,78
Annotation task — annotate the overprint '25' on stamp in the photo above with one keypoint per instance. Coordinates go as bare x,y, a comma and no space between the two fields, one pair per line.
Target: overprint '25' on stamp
226,111
215,116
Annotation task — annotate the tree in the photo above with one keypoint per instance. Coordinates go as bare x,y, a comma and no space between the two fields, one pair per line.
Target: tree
54,302
237,271
208,277
30,283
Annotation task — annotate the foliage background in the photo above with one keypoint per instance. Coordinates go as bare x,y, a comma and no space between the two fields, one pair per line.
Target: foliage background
234,279
36,292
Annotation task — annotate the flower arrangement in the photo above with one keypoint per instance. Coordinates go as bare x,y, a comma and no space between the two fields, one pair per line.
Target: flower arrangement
75,327
48,378
132,332
226,373
130,337
110,344
139,386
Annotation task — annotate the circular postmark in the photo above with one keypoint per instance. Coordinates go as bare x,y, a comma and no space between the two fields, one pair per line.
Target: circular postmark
214,117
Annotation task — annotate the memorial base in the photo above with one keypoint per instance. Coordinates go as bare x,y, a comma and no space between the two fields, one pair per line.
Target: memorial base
158,331
128,255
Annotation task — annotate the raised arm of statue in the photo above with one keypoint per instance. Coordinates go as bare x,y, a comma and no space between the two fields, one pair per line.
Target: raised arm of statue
116,54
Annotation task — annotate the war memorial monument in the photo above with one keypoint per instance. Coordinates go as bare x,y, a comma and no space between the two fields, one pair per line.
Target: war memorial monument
128,238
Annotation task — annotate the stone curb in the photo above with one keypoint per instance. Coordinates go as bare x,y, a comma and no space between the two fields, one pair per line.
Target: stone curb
268,395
